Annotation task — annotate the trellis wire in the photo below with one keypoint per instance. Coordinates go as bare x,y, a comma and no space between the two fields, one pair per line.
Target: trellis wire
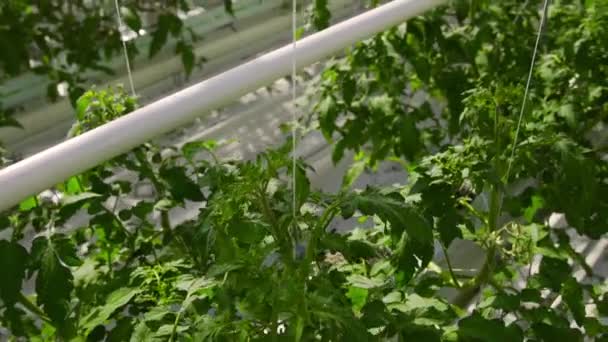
124,47
523,104
294,116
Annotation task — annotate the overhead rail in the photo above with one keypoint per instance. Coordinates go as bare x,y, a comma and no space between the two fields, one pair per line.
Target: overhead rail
30,86
47,168
45,124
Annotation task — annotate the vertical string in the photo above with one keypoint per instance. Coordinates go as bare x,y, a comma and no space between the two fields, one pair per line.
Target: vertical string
294,116
124,47
523,105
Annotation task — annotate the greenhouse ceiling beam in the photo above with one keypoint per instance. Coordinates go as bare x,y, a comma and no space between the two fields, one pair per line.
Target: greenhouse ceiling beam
49,167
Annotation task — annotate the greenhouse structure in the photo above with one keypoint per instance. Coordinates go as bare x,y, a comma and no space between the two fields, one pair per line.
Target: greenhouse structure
323,170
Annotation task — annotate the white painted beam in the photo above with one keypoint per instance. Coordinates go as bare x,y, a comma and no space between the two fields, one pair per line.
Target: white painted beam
76,155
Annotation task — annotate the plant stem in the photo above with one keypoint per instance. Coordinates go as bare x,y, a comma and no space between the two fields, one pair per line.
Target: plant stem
109,255
472,210
329,214
470,290
451,270
269,215
33,308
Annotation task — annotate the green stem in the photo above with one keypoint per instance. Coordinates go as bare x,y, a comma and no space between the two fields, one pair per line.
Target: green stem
451,270
165,223
109,254
33,308
473,211
274,225
323,222
471,289
177,318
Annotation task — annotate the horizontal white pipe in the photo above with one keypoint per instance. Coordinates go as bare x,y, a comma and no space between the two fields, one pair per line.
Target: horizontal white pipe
29,90
30,86
83,152
221,48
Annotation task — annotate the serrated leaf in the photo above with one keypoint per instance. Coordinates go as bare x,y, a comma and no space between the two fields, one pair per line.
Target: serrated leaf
191,148
13,261
554,272
66,250
113,302
352,174
74,199
391,208
364,282
180,185
53,285
141,332
416,302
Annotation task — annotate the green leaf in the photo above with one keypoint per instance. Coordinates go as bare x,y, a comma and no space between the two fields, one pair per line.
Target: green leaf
72,203
357,296
354,171
391,207
28,203
411,256
477,328
537,203
302,188
320,14
190,149
415,302
13,261
364,282
247,231
131,18
188,58
228,7
66,250
53,283
159,37
180,185
82,106
142,333
554,272
113,302
572,293
410,138
74,199
548,333
121,332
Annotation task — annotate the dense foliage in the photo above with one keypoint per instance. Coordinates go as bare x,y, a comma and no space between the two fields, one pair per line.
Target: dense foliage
93,259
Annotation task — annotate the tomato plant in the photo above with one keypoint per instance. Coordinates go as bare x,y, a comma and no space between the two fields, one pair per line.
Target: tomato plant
94,259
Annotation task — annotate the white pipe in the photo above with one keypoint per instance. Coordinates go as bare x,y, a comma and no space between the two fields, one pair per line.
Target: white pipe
83,152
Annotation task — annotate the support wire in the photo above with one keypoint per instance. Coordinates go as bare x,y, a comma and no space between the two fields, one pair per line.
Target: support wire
124,47
523,105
